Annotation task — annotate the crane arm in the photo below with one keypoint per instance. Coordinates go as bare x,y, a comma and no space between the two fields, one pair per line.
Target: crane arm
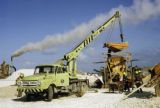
75,52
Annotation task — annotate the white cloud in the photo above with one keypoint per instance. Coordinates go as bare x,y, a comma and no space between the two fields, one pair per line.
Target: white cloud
140,11
28,64
91,51
82,57
49,51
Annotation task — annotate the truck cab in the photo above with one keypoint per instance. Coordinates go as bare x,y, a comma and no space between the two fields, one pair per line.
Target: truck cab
44,76
57,73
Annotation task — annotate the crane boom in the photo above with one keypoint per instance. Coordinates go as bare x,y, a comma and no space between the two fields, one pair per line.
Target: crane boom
75,52
70,57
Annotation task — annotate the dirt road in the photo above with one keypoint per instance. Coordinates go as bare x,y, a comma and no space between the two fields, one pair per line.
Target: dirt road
100,99
8,92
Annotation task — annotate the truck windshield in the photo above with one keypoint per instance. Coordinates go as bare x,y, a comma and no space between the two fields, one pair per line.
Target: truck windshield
44,69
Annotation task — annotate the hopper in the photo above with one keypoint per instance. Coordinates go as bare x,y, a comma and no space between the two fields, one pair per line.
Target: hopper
116,47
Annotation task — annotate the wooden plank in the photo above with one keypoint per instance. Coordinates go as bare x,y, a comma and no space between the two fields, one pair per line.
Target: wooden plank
145,81
125,97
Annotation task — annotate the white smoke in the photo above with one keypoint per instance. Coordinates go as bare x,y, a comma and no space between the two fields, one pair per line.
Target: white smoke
140,11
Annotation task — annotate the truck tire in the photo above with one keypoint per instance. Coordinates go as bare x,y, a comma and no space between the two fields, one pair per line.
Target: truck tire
81,89
50,93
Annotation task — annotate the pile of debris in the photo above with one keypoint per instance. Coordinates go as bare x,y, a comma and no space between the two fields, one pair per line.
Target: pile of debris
4,70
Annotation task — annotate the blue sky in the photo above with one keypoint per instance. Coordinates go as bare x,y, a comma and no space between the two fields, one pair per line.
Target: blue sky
25,21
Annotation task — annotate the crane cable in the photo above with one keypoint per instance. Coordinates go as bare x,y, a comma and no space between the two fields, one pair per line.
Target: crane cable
121,29
110,31
109,35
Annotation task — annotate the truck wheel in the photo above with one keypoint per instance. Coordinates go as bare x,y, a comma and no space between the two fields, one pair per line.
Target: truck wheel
81,89
50,93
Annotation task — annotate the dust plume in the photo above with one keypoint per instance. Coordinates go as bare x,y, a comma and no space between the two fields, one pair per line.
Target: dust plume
140,11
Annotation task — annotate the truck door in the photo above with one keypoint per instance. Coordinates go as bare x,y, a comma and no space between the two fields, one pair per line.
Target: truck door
62,77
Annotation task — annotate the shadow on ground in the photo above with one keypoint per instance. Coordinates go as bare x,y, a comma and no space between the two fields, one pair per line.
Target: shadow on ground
41,98
107,92
34,99
144,95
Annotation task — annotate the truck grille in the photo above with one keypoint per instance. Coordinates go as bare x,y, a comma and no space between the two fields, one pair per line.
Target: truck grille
30,83
31,90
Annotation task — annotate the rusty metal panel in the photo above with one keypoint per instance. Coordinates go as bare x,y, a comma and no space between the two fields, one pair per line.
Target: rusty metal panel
116,47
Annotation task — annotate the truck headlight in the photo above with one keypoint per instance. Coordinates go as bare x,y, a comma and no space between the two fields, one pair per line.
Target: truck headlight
19,83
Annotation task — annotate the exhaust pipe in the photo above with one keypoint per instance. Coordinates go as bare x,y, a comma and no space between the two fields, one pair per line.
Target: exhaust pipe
12,66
